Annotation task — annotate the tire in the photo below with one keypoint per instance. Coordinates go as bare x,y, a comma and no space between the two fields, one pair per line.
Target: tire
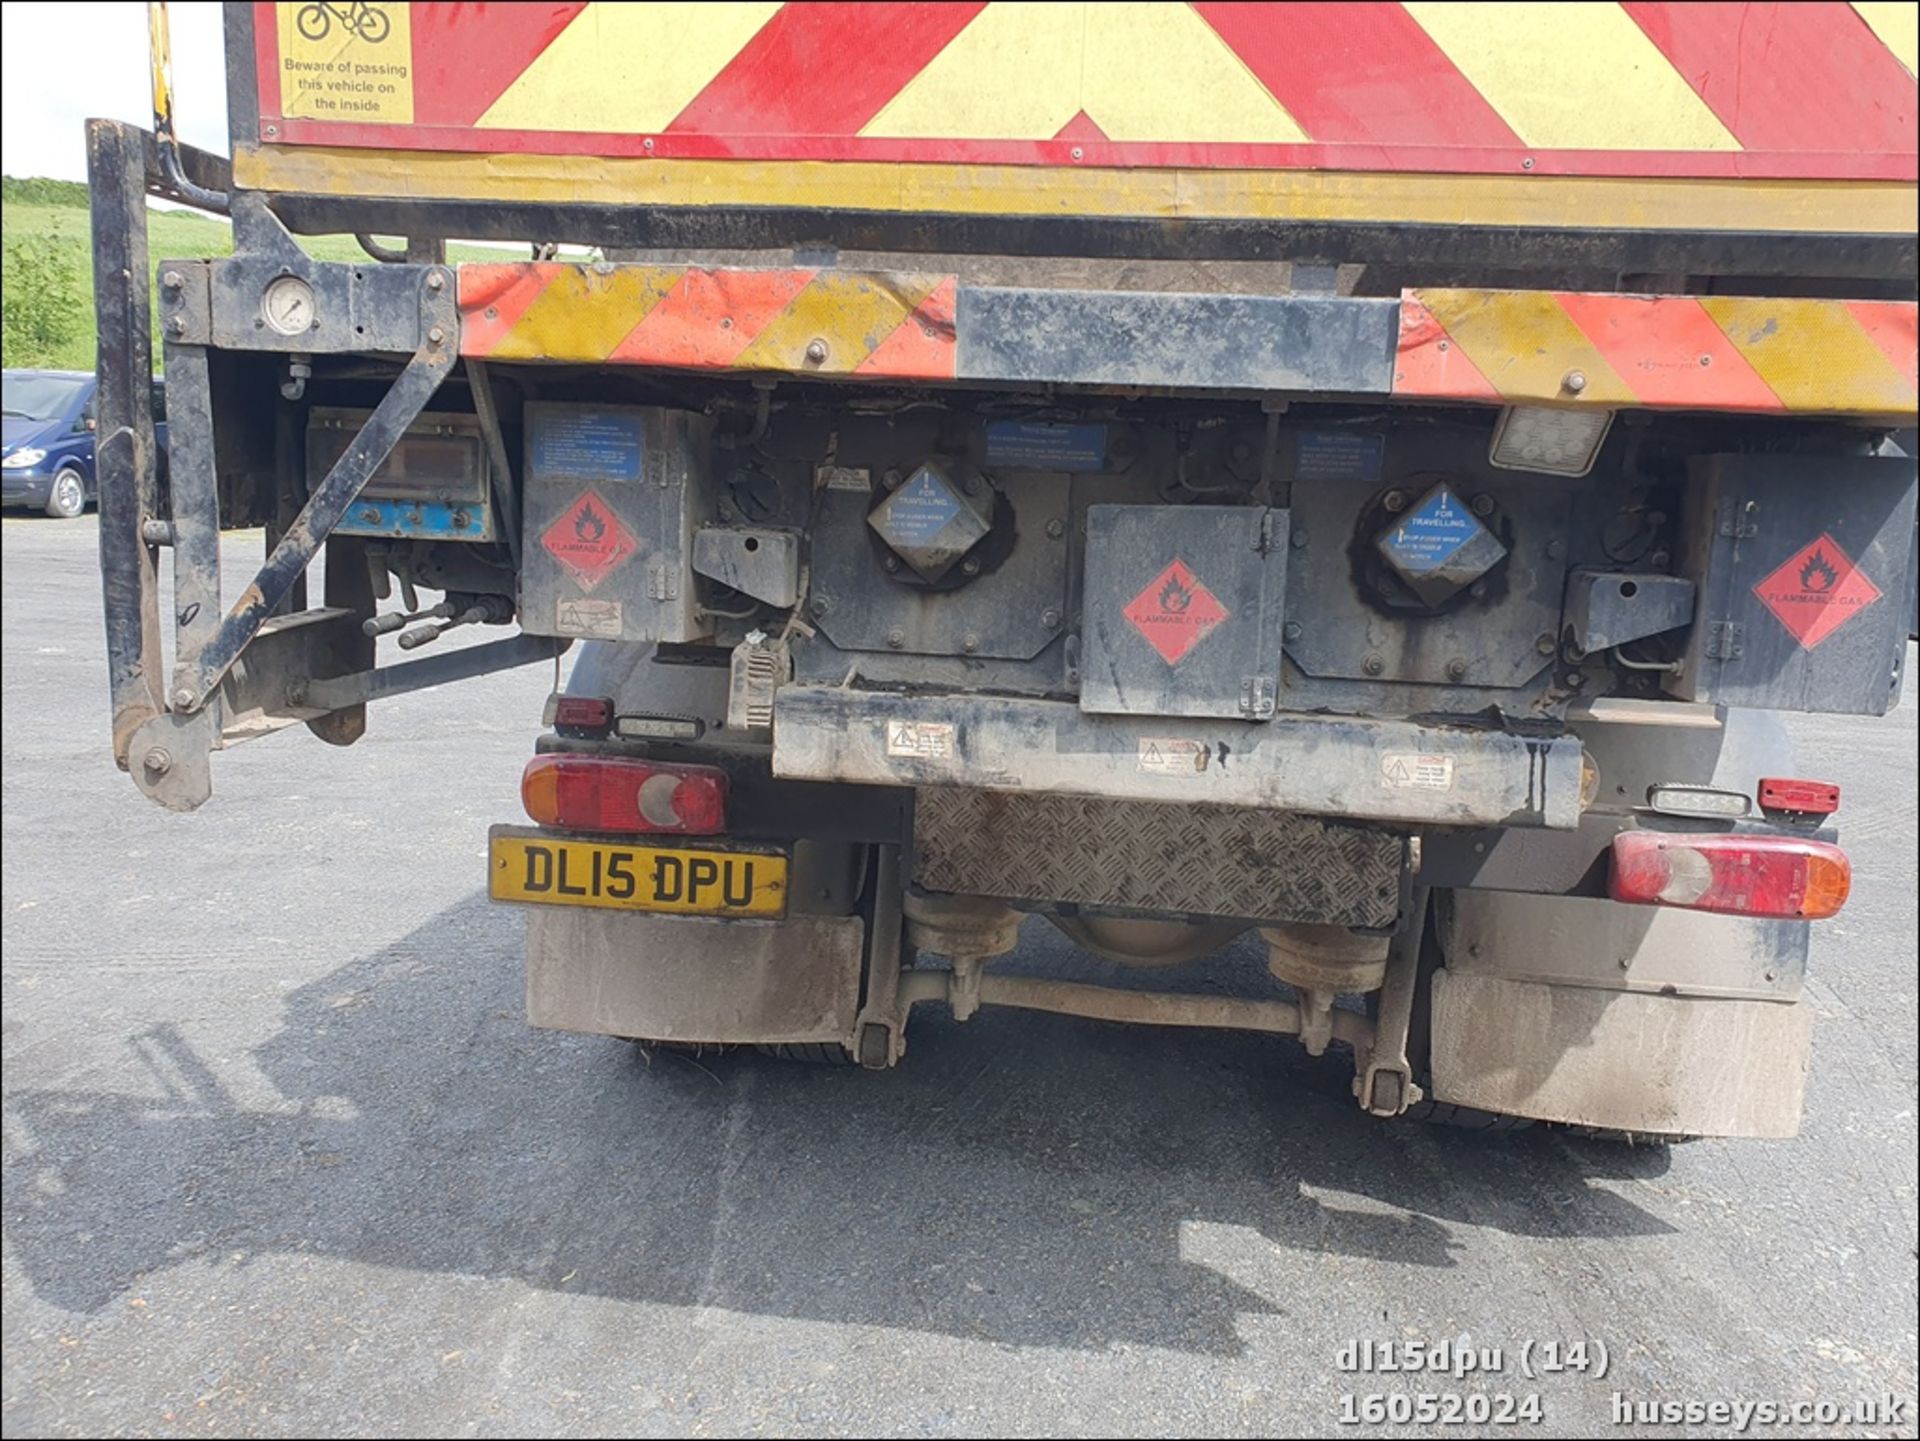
1463,1118
67,500
812,1053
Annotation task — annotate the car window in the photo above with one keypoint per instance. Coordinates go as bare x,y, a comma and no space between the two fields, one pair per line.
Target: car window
36,395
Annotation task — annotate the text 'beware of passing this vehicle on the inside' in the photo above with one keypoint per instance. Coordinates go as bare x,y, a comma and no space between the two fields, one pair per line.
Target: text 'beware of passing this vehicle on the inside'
1363,473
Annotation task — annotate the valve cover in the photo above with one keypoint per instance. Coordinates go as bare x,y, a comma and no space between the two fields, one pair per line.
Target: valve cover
1439,547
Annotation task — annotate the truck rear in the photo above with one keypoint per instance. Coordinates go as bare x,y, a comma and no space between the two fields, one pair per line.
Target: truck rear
1366,474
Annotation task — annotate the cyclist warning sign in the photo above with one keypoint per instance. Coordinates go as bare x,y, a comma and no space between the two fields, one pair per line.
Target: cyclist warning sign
346,62
1175,612
589,541
1817,590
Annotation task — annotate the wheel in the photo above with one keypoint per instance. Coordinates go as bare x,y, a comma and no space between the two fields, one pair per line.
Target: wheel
813,1053
68,498
313,21
373,24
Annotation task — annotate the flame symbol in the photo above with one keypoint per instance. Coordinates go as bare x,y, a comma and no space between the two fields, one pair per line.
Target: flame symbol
588,525
1818,573
1175,597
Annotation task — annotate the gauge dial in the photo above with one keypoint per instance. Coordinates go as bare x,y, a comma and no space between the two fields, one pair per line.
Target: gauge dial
288,306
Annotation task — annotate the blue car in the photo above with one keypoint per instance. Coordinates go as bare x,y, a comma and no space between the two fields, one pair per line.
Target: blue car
48,456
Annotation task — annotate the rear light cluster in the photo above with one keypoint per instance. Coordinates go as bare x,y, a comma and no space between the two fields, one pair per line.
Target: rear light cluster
1778,877
594,793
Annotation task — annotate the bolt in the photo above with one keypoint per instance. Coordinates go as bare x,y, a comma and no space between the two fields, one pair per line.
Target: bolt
1483,504
1373,665
818,605
1527,164
1556,549
971,565
890,564
1456,669
177,325
1478,590
1544,644
436,281
1078,153
647,144
970,643
1658,559
1056,528
1575,382
896,638
1574,680
1299,537
1050,618
370,516
172,280
272,130
1626,962
816,351
1291,630
1773,975
183,698
1706,360
436,336
891,479
157,761
1395,501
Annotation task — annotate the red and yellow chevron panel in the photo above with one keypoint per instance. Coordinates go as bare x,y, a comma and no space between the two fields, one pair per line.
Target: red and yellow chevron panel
806,322
1009,105
1669,352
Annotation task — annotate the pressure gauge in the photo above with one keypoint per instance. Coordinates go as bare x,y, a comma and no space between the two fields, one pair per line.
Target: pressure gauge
287,305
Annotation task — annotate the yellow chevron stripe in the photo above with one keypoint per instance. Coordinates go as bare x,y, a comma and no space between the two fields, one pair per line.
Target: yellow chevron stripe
1526,345
1811,351
851,314
1897,24
627,67
1022,70
583,313
1577,76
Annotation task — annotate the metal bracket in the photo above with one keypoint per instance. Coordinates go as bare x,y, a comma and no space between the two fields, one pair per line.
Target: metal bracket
1386,1086
1259,694
329,501
1723,640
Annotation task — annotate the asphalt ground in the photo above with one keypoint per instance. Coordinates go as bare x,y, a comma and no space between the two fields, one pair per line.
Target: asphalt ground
282,1158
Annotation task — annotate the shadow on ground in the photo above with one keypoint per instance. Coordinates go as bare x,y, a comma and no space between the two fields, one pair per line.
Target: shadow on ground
1028,1179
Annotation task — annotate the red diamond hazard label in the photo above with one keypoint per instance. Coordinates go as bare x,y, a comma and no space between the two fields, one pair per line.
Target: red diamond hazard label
1175,612
589,541
1817,590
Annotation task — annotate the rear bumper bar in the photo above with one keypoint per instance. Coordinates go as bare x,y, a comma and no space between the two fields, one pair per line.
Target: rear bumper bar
1312,765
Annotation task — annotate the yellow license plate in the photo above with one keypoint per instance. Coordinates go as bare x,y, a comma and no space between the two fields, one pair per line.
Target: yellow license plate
552,871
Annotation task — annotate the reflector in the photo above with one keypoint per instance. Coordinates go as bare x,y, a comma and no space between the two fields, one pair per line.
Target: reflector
1812,798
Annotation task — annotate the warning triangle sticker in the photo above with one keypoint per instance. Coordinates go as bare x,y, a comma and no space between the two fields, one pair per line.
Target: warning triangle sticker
589,541
1175,612
1816,590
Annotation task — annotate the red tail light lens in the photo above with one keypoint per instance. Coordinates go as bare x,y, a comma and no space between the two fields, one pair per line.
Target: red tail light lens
1781,877
593,793
1808,798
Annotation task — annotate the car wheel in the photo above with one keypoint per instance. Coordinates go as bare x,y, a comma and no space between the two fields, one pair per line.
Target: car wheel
68,498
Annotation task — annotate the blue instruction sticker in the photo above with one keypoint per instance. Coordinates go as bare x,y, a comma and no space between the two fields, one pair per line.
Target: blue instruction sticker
1034,445
919,510
1427,537
1339,455
587,445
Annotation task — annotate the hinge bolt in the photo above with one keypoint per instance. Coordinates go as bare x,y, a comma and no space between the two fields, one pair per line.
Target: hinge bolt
157,762
436,281
183,698
436,336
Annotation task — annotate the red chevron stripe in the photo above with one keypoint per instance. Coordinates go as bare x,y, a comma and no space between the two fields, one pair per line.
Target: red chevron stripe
464,56
823,69
1788,76
706,320
1894,326
922,346
494,297
1669,351
1358,72
1427,362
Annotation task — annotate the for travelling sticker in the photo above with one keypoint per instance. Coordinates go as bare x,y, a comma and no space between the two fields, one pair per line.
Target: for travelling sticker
589,541
1817,590
1175,612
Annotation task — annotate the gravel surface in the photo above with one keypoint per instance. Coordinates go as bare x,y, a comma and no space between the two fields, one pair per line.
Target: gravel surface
282,1158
